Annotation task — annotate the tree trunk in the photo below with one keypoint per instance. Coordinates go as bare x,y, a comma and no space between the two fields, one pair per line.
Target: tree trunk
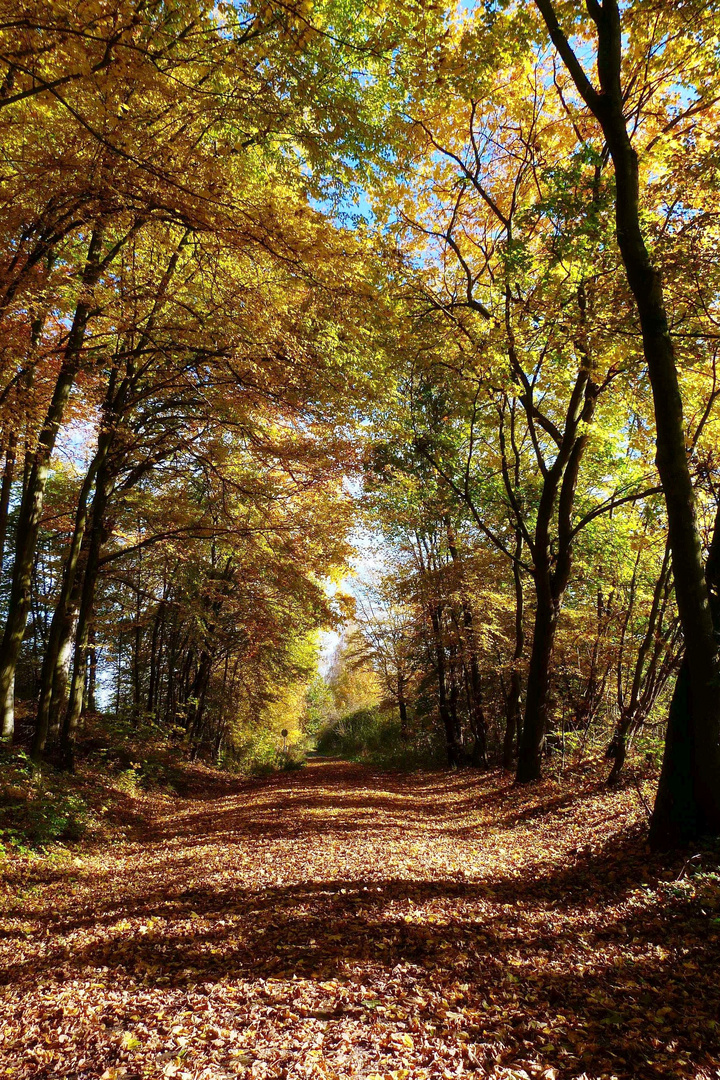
513,724
155,658
174,650
54,669
92,672
33,495
477,711
681,814
453,749
631,715
55,672
694,724
617,749
402,706
529,765
695,735
675,820
552,574
136,661
453,706
513,720
197,707
96,539
479,750
137,640
5,491
118,674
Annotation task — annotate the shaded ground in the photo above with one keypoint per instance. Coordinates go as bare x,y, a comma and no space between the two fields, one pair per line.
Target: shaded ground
336,922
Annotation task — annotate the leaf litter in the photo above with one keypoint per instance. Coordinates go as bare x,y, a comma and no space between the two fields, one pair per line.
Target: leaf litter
340,922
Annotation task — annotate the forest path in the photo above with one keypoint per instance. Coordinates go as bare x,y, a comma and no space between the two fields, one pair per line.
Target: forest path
338,922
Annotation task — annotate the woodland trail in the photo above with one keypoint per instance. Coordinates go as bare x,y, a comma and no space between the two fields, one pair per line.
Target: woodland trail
338,922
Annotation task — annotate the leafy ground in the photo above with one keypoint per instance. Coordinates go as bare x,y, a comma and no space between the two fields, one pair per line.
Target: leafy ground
338,922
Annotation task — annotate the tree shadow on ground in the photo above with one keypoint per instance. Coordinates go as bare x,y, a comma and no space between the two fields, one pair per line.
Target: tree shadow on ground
291,805
604,965
626,987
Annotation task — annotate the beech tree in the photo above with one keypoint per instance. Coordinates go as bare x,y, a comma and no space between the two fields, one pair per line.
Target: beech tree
266,267
688,800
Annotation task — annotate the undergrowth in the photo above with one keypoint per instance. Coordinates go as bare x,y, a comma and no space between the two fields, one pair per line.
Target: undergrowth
372,736
118,762
39,807
259,753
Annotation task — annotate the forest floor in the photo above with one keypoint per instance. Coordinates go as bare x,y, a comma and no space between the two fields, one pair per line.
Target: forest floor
340,922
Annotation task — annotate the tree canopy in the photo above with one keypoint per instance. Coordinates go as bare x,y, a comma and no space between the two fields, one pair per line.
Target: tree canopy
423,290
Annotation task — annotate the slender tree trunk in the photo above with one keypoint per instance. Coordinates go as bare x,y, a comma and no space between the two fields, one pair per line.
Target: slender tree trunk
5,491
479,750
197,708
201,683
92,672
629,717
96,538
402,706
37,629
118,674
552,576
33,495
185,680
173,651
538,690
453,749
159,666
477,711
453,705
137,661
513,724
137,639
54,669
694,723
155,658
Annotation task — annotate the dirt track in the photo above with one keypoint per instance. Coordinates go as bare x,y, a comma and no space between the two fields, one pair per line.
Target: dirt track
337,922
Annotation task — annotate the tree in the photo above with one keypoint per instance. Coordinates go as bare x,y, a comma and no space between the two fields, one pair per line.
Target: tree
688,800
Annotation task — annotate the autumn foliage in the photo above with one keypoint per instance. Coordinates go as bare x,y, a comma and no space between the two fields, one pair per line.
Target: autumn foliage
398,323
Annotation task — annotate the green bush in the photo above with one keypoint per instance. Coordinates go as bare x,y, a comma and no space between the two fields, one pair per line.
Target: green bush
351,735
59,817
258,754
374,736
45,818
129,781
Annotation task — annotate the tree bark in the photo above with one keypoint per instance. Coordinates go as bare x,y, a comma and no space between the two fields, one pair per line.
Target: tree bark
92,672
155,658
529,766
197,707
513,724
680,814
694,724
33,495
96,539
477,711
55,660
137,653
453,748
551,574
402,706
5,491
